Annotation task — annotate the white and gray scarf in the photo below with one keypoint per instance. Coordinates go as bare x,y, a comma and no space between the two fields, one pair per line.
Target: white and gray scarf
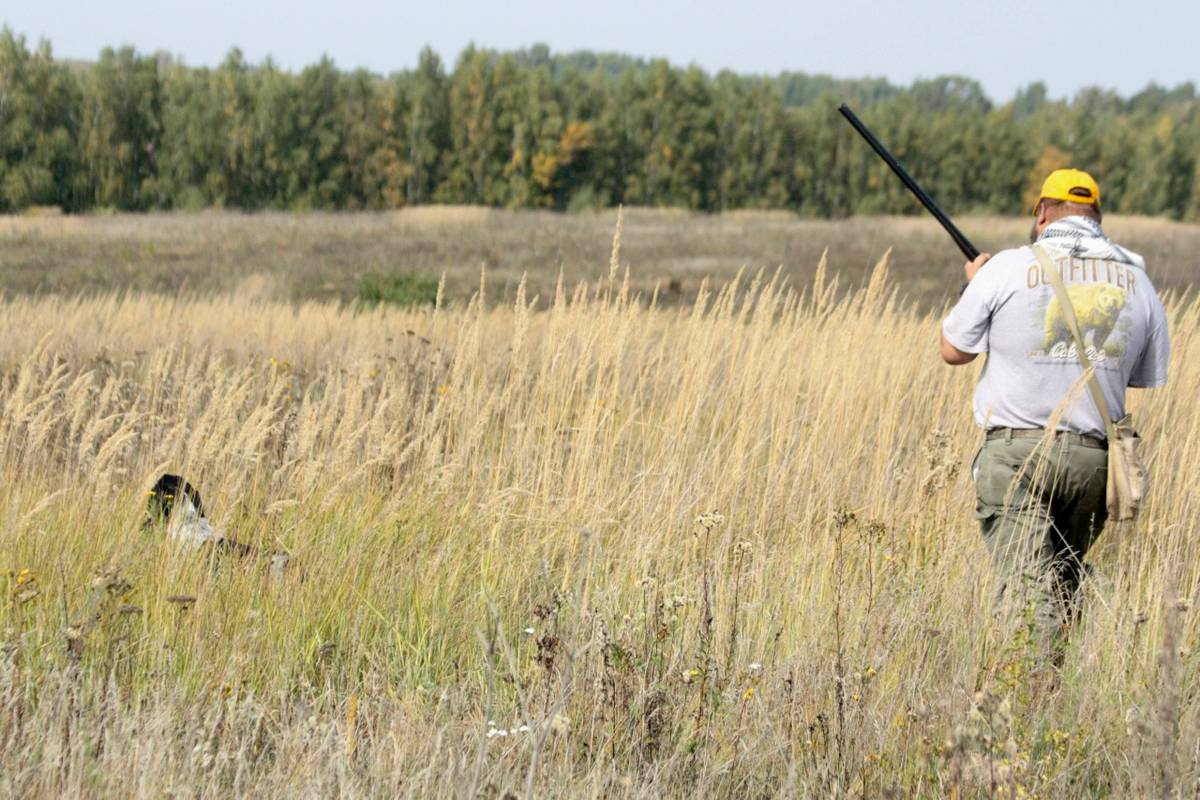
1082,237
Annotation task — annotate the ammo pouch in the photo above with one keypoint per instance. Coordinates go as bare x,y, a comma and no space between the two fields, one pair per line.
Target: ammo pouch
1128,480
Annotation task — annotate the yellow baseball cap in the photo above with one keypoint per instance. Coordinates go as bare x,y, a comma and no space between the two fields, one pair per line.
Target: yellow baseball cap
1071,185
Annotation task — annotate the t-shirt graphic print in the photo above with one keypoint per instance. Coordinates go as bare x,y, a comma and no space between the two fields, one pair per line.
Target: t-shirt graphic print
1098,310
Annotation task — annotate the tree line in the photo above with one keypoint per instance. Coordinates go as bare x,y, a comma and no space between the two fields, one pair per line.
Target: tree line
535,129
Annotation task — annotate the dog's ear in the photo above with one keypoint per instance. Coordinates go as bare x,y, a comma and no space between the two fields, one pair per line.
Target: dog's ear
190,493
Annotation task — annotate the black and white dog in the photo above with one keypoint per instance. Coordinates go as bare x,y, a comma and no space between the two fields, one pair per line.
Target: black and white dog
174,506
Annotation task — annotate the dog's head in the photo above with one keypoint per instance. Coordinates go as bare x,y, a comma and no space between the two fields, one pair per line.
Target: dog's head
169,493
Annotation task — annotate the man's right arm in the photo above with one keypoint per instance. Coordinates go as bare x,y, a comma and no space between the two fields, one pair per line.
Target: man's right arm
965,330
953,356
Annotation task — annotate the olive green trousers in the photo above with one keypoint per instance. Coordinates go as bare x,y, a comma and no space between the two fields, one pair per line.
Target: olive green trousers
1040,507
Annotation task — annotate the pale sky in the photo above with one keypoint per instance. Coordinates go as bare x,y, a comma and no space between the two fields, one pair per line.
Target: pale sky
1004,44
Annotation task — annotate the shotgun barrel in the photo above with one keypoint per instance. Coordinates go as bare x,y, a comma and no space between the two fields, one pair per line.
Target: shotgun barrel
969,250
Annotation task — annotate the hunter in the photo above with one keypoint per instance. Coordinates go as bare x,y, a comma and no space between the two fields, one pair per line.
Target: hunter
1040,515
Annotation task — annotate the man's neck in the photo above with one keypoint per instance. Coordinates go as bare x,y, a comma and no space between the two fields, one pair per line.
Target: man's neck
1073,227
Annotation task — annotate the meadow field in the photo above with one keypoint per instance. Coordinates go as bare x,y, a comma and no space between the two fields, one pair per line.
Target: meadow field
589,545
328,256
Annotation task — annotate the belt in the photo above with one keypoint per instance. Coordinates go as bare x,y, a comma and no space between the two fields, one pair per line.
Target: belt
1037,433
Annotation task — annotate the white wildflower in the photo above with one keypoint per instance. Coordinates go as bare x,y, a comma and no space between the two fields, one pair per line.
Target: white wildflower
710,520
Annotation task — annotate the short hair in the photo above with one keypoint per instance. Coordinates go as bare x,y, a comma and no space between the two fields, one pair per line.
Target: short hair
1065,208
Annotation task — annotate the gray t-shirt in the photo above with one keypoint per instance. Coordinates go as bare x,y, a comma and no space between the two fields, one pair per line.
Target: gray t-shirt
1010,312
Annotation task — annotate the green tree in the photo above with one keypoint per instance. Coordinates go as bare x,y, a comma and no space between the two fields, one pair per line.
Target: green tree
373,143
479,145
753,157
212,153
39,120
121,130
423,97
317,157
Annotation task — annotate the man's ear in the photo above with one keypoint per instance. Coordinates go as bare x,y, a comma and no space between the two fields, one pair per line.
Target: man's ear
1043,217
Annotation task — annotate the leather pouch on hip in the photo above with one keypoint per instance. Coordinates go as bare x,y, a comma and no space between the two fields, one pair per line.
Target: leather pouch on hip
1128,480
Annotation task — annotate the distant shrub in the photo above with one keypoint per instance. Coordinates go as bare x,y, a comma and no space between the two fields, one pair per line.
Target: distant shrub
42,211
586,198
398,289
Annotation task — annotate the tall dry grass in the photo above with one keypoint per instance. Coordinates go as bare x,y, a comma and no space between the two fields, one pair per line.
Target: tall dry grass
599,549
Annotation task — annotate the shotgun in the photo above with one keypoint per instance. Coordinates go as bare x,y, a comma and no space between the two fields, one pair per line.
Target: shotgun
969,250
